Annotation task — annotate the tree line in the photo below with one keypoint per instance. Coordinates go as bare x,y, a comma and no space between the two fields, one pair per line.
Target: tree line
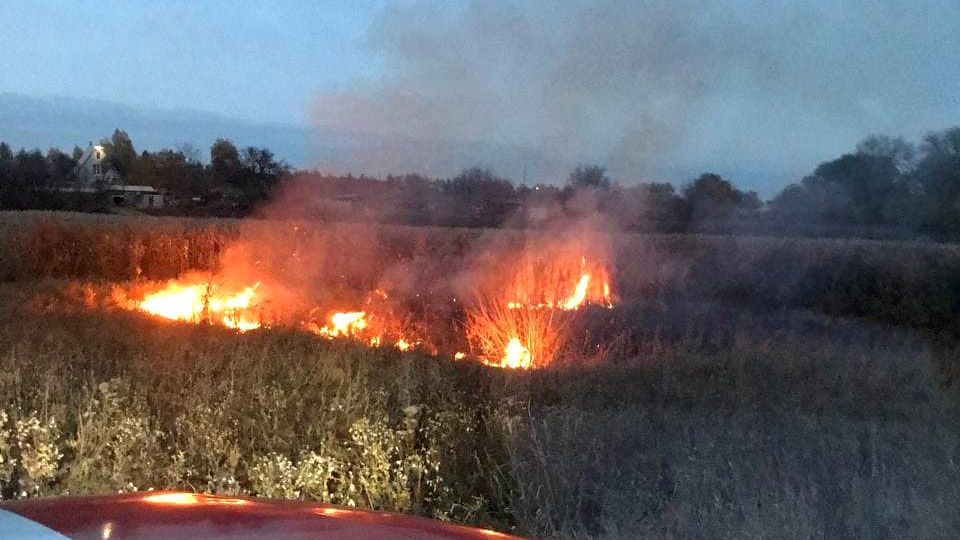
232,181
885,184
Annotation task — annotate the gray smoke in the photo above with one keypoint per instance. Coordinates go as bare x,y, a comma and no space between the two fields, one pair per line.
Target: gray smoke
649,89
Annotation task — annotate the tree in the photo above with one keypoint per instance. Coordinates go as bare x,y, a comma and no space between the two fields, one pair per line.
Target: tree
60,166
224,160
870,183
170,170
190,152
900,151
711,197
588,177
478,198
121,152
938,173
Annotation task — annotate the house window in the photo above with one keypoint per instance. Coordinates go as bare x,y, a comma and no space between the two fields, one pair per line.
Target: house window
98,169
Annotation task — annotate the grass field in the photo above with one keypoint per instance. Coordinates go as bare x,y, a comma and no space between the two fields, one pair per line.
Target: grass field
746,387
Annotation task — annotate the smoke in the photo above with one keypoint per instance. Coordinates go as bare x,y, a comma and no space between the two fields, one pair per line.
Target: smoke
532,88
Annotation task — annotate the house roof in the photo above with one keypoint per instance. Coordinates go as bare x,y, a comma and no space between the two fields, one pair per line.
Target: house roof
137,189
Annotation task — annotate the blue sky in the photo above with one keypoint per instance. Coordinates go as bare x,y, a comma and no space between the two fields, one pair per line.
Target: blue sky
757,90
255,60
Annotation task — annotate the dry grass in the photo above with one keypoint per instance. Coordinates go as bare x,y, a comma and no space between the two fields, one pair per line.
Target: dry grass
541,332
726,405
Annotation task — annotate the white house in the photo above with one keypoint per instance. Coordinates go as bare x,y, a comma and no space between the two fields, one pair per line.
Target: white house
94,172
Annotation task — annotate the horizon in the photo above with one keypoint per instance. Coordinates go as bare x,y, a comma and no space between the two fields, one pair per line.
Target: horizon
670,90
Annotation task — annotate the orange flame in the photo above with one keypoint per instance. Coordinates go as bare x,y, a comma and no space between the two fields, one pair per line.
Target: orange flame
356,325
516,355
197,302
522,333
522,326
345,324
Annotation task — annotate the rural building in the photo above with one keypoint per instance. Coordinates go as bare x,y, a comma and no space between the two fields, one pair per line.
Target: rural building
94,172
137,196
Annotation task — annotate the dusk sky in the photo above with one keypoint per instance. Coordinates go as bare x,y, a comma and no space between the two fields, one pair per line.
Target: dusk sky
758,91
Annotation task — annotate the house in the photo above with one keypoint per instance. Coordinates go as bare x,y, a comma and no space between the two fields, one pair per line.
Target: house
94,173
137,196
93,169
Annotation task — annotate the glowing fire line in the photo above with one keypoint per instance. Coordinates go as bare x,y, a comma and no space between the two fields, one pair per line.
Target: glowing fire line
520,333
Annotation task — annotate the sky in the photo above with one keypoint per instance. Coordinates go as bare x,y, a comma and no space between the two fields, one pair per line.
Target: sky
260,61
760,92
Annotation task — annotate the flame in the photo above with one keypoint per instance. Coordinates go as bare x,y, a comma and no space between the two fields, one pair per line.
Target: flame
201,301
522,332
344,324
357,325
516,355
579,294
515,338
518,321
560,285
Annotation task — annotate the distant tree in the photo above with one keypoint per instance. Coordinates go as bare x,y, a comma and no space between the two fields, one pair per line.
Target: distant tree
26,178
712,197
77,153
751,201
260,161
900,151
869,182
172,171
6,159
121,152
7,172
224,160
589,177
478,198
60,167
409,199
190,152
32,168
938,173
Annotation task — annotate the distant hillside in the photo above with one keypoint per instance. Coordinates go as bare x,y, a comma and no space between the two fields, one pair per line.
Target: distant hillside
42,122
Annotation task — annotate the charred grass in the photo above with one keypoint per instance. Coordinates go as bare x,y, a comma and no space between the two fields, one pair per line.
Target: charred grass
762,407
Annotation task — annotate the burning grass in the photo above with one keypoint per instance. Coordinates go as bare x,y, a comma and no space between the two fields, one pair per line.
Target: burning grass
703,421
715,421
514,318
515,338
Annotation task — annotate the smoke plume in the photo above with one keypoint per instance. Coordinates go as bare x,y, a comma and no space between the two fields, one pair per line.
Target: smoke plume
645,88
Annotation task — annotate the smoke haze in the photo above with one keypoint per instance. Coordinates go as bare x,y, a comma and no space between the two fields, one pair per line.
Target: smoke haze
758,91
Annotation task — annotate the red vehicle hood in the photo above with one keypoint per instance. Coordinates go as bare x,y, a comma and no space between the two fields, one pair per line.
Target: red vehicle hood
174,514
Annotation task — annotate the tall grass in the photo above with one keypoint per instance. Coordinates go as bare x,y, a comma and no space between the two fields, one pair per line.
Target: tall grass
757,425
743,387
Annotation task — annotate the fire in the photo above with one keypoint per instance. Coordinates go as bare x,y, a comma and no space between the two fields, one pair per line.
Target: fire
522,332
347,324
579,294
358,325
559,285
201,301
518,319
516,355
515,338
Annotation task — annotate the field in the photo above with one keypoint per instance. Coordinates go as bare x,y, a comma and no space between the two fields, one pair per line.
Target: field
744,387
